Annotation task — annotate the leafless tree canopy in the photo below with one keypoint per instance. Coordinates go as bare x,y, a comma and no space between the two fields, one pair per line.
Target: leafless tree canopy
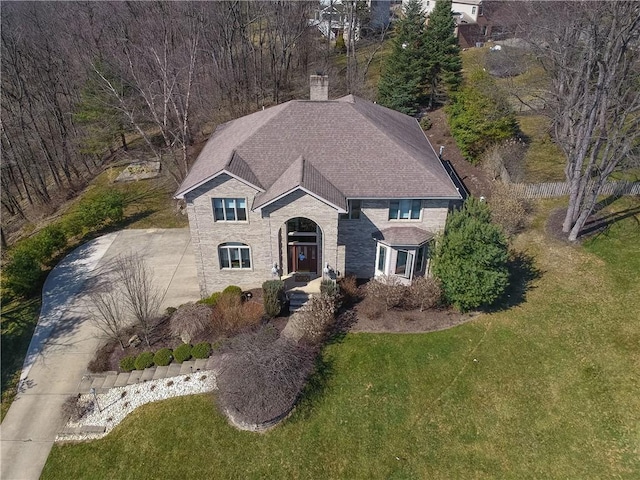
108,312
166,72
591,53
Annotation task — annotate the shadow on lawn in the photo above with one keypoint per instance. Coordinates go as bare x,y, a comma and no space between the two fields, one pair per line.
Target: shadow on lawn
522,272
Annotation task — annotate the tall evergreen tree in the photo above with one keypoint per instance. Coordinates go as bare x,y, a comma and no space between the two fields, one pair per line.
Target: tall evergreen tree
401,85
443,61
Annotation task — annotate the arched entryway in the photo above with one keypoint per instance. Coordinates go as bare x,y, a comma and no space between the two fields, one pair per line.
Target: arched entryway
303,246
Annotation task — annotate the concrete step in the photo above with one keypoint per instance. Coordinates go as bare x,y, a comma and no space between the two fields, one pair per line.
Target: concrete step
186,367
85,383
134,377
174,369
147,374
161,372
97,383
109,382
200,364
122,379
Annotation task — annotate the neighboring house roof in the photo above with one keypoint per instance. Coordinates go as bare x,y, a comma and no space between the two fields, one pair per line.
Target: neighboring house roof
335,149
403,236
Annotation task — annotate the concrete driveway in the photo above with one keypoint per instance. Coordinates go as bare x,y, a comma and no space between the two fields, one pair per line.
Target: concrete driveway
64,340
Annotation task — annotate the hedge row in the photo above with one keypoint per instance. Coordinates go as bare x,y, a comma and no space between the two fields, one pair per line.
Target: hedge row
165,356
23,272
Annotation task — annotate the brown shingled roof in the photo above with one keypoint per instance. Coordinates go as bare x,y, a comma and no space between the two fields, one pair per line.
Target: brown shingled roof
403,236
350,147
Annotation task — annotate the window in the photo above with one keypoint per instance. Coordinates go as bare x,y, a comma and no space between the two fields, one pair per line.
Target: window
405,209
354,210
382,258
480,10
229,209
234,255
404,260
420,258
484,30
473,10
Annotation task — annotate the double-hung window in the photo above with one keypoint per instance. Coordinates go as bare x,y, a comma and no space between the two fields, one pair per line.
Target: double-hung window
230,209
234,255
405,209
355,206
382,259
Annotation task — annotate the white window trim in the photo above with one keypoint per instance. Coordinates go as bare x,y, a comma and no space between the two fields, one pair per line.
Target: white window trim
409,266
387,257
419,219
224,208
226,248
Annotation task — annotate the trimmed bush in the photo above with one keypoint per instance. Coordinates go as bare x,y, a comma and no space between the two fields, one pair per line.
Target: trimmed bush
127,364
425,123
163,357
211,300
190,321
144,360
182,353
201,350
272,296
424,293
232,290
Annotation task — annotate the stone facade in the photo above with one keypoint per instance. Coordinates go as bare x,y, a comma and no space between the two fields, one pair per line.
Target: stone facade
346,245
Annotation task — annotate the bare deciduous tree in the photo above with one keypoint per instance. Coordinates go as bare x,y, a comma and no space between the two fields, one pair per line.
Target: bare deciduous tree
142,298
108,313
590,53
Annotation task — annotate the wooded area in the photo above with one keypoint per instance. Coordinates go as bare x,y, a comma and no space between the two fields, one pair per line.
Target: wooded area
81,79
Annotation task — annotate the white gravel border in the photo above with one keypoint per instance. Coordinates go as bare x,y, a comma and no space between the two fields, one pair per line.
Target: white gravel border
119,402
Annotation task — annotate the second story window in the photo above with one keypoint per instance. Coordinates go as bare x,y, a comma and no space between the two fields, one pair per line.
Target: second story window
405,209
229,209
354,210
473,10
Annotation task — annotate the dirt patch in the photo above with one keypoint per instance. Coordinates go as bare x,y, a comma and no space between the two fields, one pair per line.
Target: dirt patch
473,177
413,321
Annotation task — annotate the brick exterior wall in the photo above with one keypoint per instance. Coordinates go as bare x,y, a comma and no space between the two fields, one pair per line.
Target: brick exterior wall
346,245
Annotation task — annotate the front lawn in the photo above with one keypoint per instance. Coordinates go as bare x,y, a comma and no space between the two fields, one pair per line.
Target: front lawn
547,389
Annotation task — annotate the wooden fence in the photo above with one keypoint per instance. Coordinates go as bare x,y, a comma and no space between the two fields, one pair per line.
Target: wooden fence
559,189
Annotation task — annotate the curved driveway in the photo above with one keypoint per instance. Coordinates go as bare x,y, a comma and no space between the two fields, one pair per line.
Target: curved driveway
64,341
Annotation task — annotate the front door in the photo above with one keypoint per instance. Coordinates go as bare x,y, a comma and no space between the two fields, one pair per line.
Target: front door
303,258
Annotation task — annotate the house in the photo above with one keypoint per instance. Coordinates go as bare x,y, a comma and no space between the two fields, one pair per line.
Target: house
342,186
477,21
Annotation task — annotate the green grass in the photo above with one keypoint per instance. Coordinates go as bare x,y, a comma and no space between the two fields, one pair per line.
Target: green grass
547,389
544,161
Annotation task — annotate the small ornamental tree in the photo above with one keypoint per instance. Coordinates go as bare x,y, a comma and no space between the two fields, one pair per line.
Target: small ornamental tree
471,258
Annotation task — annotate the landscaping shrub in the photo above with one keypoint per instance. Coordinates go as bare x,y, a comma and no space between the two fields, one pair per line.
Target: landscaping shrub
232,290
128,363
182,353
170,311
101,362
315,321
425,123
201,350
163,357
75,408
507,210
471,258
190,321
105,207
22,274
273,295
329,287
144,360
263,376
423,293
211,300
388,289
47,242
231,315
349,289
480,116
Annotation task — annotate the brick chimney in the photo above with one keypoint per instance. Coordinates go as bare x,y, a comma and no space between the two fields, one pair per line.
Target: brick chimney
319,87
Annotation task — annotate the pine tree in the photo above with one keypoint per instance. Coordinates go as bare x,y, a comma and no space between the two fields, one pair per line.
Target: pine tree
471,258
443,61
401,85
